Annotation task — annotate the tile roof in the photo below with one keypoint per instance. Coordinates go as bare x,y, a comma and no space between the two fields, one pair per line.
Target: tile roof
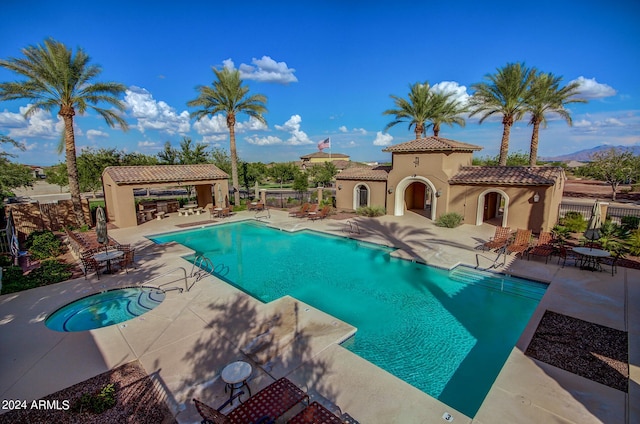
376,173
431,144
323,155
508,175
164,173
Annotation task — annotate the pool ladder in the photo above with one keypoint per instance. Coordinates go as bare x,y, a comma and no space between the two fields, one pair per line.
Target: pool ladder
203,265
352,227
180,289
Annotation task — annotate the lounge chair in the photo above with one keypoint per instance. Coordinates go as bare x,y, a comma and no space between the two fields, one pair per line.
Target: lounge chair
320,215
312,209
257,206
303,209
499,240
544,247
265,406
521,242
225,212
315,413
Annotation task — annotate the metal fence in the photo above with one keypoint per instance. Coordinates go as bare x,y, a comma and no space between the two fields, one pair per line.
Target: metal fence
584,210
617,213
4,243
614,213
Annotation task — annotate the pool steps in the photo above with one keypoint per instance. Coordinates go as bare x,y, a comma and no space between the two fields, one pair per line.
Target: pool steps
501,282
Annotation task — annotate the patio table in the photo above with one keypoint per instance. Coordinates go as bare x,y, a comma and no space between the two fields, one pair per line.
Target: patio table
590,258
108,257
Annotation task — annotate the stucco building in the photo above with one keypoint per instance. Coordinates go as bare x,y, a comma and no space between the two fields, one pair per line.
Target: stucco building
435,175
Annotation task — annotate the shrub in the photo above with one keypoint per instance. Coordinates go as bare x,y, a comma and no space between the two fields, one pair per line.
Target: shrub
43,245
574,222
560,233
630,222
449,220
633,242
97,402
49,272
370,211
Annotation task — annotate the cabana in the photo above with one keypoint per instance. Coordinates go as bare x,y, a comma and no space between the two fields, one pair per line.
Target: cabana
119,183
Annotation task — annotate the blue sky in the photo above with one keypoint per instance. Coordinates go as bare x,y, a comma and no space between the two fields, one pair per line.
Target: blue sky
328,69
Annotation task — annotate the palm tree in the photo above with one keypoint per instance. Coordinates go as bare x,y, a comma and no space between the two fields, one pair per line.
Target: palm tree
505,93
548,96
56,78
417,110
446,110
229,96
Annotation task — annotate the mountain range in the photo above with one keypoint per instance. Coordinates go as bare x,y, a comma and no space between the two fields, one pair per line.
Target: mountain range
585,155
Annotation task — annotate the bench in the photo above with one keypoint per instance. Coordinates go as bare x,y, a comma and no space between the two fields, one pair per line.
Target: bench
160,215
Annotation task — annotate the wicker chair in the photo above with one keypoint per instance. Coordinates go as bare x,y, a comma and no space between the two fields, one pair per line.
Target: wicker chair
521,242
499,240
544,247
265,406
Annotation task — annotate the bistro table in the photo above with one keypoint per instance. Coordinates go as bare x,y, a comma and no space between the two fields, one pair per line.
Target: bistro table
190,208
235,376
108,257
590,258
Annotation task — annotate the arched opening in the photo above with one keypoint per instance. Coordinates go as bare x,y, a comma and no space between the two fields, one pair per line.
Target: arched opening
493,207
361,196
417,194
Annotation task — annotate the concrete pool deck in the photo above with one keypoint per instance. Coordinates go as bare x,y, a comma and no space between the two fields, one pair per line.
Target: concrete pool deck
190,337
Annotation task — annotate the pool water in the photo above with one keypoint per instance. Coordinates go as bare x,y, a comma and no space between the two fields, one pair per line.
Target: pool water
446,333
104,309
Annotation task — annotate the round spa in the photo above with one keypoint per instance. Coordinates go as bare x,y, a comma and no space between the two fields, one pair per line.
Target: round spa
106,308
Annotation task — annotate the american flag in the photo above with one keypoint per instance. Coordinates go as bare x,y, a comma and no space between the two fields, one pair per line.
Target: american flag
324,144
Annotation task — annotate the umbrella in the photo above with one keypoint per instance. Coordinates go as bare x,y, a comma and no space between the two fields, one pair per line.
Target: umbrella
257,190
220,199
12,238
101,227
595,222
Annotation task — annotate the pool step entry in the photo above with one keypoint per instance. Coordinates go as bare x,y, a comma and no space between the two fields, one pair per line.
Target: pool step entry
501,282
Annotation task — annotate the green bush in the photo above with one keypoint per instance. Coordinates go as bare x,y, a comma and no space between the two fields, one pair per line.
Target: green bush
630,222
6,260
633,243
43,245
49,272
574,222
449,220
560,233
98,402
370,211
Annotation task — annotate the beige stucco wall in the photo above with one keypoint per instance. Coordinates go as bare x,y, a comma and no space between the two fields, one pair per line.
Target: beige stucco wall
346,191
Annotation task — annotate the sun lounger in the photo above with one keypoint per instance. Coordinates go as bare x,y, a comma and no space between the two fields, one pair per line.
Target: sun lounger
499,240
544,246
313,208
320,215
303,209
315,413
521,242
265,406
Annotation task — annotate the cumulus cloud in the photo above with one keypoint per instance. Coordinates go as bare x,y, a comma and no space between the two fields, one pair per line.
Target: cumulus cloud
343,129
382,139
269,140
95,134
153,114
592,89
208,125
459,92
251,125
12,120
265,70
39,125
147,144
292,126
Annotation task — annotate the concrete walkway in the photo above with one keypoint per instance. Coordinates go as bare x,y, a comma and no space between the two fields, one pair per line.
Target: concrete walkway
190,337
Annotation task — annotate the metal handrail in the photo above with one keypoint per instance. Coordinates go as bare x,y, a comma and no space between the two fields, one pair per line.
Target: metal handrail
199,261
494,261
186,284
351,227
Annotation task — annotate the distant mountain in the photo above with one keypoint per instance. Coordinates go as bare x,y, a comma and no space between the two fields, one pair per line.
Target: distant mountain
585,155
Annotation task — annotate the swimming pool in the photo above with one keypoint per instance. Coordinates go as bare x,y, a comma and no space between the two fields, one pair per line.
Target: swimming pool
448,334
104,309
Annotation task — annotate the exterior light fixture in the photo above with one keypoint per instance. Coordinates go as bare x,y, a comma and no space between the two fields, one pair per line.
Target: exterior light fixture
339,186
438,193
390,191
416,161
536,197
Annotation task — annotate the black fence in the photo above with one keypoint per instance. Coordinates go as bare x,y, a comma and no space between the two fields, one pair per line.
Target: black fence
614,213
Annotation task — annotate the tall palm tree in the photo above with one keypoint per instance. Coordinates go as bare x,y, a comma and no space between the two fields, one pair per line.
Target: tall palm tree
446,110
229,96
416,110
504,93
547,96
56,78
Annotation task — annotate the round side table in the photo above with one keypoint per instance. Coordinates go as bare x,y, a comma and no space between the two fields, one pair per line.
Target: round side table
235,376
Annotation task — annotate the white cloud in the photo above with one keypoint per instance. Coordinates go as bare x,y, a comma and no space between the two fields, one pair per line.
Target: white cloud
361,131
382,139
214,139
582,123
343,129
208,125
147,144
12,120
292,126
39,125
592,89
153,114
265,70
459,91
264,141
94,134
251,125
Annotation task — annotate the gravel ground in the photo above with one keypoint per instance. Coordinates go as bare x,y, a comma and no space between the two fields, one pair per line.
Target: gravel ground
589,350
138,402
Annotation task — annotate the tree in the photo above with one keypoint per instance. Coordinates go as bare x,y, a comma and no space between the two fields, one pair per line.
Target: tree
229,97
12,175
251,173
55,77
58,175
416,110
221,159
546,95
446,111
514,159
612,166
301,182
169,156
284,171
91,164
323,173
504,93
137,159
192,154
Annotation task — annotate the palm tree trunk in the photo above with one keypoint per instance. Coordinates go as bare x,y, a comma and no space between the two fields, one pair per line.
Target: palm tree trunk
231,122
436,130
533,152
72,167
419,130
504,144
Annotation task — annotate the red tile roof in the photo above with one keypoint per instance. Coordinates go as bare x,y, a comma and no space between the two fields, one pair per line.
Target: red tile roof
431,144
508,175
164,173
376,173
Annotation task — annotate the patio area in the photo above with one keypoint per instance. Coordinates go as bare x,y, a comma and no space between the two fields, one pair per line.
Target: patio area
188,339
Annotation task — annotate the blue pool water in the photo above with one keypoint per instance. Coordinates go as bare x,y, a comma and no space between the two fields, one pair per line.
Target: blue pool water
446,333
103,309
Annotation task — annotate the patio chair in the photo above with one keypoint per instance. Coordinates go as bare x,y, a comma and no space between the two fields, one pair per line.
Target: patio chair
320,215
521,242
544,247
258,206
567,254
225,212
315,413
303,209
90,265
499,240
265,406
128,258
312,208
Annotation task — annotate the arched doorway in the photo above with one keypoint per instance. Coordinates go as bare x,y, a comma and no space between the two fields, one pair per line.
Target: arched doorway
493,207
361,196
417,193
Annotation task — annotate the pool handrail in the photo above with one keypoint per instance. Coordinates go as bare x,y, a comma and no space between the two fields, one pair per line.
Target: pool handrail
186,284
